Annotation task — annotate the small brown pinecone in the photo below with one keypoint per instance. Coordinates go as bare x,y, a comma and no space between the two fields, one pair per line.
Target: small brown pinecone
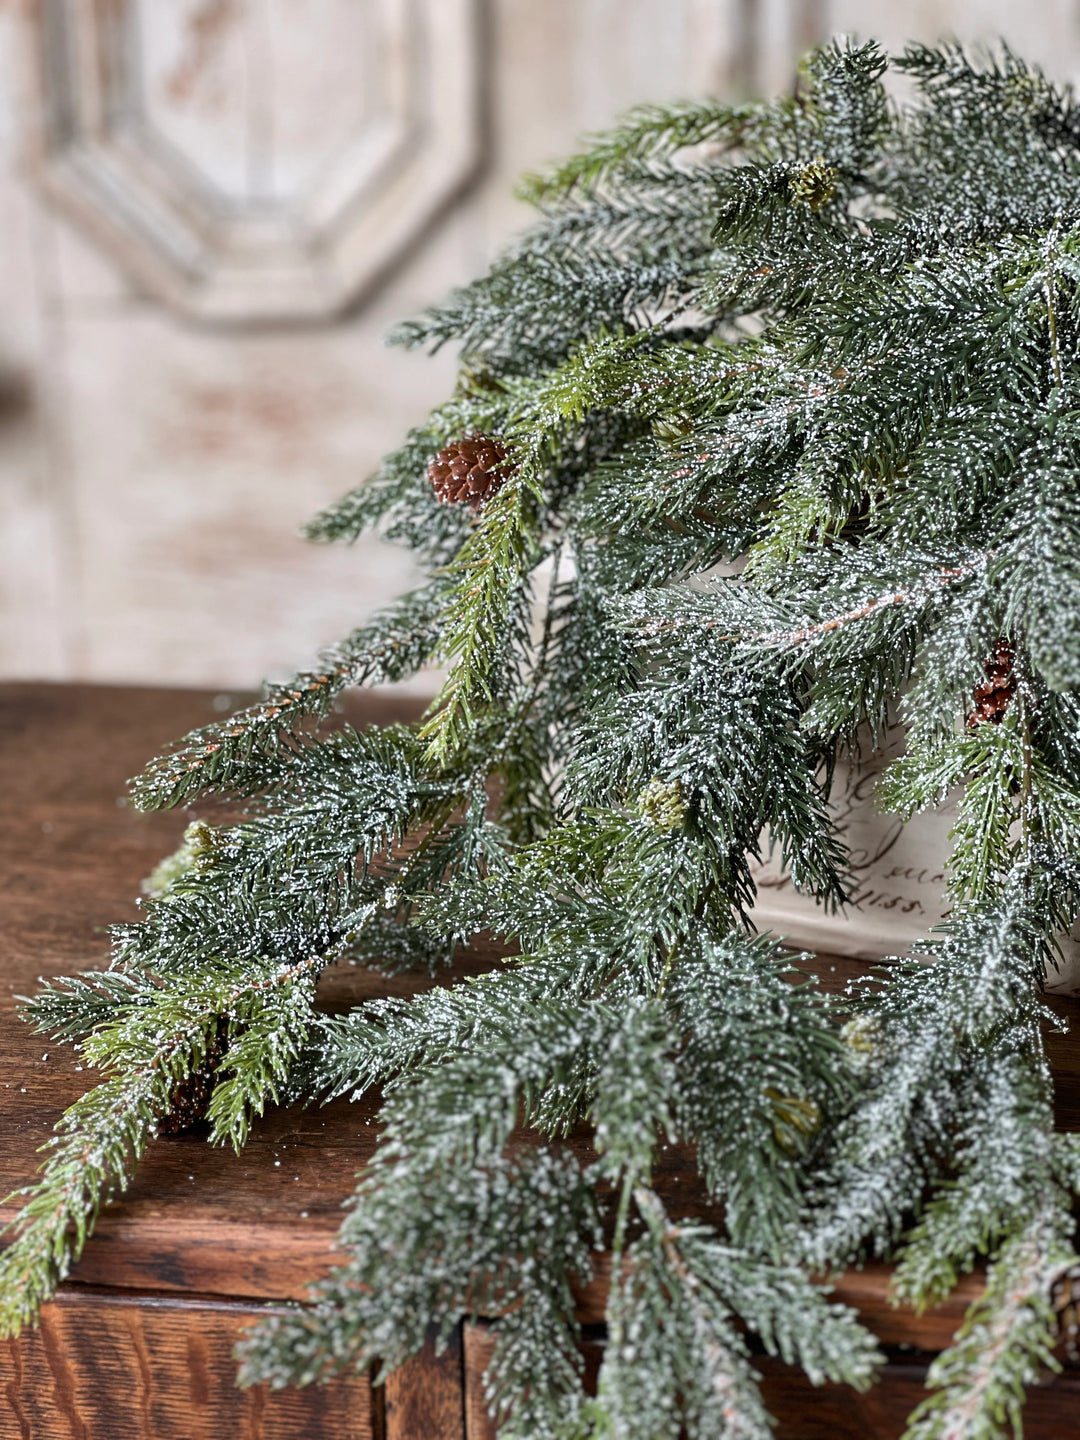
190,1098
469,471
992,695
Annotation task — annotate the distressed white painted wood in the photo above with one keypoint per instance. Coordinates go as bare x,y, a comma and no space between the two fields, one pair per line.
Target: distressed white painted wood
169,465
152,484
254,159
1047,32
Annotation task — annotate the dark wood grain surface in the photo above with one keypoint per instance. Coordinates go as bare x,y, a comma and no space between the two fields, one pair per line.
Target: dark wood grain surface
424,1396
202,1222
801,1410
72,856
109,1366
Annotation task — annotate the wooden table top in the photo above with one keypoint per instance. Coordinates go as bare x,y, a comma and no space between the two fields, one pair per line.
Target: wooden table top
201,1220
72,854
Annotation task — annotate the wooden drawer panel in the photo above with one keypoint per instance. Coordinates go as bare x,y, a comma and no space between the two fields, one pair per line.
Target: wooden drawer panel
807,1412
114,1367
424,1398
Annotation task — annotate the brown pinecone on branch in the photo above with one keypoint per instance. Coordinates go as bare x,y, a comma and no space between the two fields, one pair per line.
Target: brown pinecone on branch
189,1100
994,694
469,471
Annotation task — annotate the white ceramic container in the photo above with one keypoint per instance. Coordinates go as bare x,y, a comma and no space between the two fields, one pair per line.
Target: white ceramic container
900,872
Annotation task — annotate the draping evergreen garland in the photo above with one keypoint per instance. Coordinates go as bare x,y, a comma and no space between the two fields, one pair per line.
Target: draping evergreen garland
836,340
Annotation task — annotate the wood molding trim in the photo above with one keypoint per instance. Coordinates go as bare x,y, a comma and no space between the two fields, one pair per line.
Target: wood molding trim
198,150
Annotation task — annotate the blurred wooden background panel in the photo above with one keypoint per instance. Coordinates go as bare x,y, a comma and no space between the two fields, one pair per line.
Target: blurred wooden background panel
154,466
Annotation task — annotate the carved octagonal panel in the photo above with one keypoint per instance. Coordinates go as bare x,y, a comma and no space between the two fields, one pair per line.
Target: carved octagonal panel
254,160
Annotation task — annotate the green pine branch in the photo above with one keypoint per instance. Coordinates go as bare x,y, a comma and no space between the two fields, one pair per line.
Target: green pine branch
831,346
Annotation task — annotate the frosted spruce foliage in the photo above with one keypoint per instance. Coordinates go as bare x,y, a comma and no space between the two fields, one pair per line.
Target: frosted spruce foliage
838,343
